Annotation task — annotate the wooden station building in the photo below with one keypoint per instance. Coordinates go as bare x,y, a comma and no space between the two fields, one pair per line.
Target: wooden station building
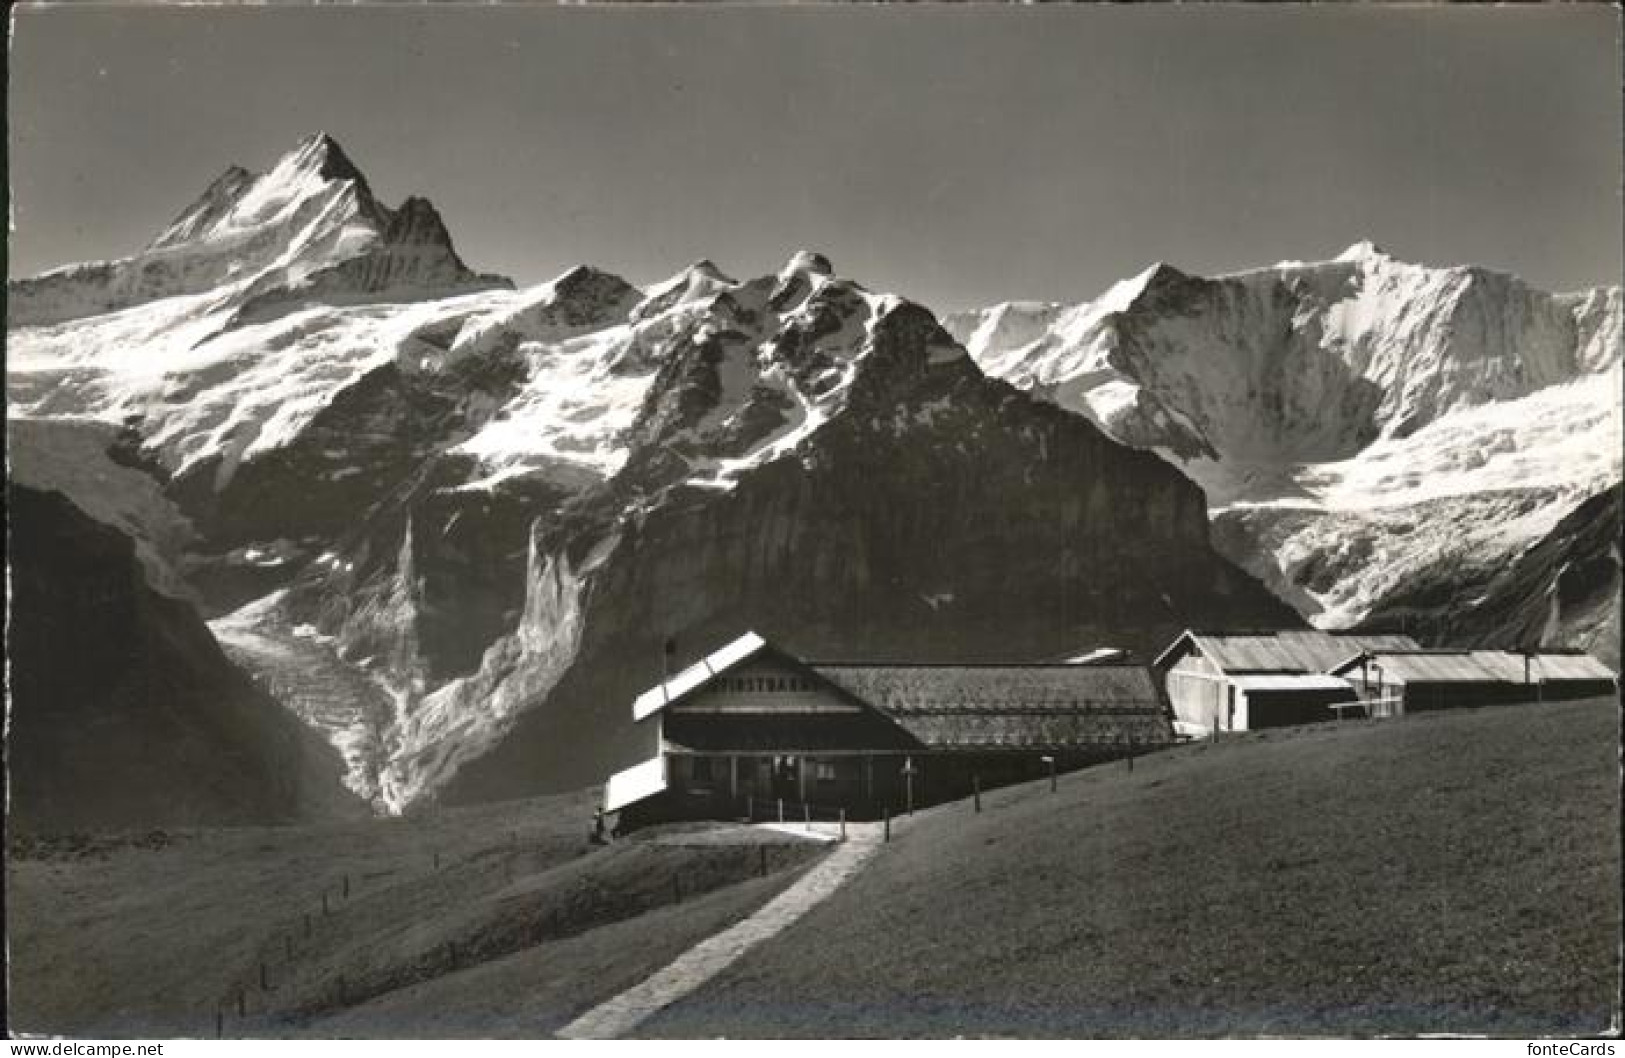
752,730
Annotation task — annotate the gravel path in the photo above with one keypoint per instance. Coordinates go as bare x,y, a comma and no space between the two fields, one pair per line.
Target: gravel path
625,1012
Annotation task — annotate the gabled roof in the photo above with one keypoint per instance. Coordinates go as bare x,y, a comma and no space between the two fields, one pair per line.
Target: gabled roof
1287,651
980,705
697,675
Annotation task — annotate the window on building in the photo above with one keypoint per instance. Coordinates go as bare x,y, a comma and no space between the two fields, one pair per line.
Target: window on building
824,771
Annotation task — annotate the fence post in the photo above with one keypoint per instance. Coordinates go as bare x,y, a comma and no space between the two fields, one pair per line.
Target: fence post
888,823
762,849
976,789
346,887
806,814
781,810
843,824
324,902
677,887
750,807
264,982
307,923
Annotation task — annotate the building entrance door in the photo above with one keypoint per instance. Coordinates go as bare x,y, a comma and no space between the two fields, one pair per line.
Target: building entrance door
787,778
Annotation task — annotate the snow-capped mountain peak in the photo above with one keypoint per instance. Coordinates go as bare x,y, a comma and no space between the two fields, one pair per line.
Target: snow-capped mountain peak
699,282
239,201
803,275
321,153
1363,250
306,230
806,262
1360,384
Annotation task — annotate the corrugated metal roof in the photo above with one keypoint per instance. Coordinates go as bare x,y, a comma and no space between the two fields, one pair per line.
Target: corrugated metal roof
635,783
1572,667
1480,666
1305,650
1436,668
1504,666
1431,666
1552,668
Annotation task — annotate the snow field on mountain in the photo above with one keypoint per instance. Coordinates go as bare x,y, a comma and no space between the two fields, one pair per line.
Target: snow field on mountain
1358,415
199,392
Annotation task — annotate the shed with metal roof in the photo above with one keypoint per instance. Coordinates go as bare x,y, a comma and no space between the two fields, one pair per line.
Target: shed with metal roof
1241,681
1422,680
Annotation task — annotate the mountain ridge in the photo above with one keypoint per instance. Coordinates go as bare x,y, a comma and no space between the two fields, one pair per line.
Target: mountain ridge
485,510
1358,387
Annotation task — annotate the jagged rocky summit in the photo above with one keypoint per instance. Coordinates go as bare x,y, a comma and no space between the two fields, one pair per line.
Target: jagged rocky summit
307,230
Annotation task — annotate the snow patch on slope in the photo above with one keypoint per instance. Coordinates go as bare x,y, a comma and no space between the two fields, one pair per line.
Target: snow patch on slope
199,392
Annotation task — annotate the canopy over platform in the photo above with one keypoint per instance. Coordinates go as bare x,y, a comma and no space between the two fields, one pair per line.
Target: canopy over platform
635,784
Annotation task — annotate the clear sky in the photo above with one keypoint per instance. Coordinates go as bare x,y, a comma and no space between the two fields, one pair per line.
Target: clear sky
959,155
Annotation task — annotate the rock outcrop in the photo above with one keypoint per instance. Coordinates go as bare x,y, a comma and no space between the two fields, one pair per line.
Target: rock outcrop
124,712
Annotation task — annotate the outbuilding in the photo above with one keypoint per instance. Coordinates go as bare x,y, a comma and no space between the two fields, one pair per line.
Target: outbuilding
1243,681
1411,681
754,731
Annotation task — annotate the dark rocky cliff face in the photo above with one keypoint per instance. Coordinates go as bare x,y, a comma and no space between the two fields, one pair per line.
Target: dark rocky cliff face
124,711
942,516
936,514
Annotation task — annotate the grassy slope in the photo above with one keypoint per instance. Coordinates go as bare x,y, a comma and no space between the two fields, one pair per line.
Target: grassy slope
1449,872
538,991
111,938
517,930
